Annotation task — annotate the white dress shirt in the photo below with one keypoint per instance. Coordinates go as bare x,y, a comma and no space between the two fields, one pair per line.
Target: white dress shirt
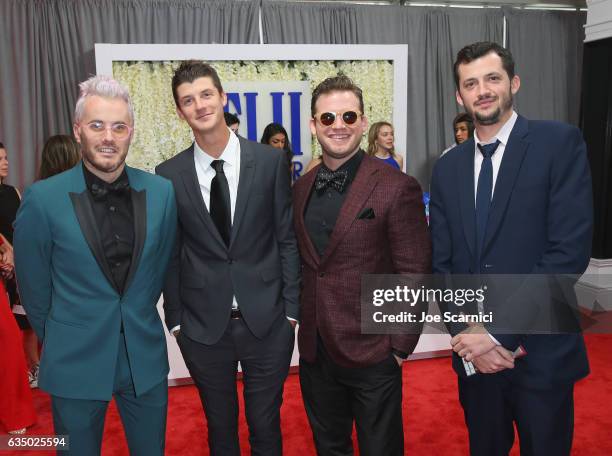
231,168
502,135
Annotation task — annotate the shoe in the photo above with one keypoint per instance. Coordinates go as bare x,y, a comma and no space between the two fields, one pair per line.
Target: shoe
17,431
33,376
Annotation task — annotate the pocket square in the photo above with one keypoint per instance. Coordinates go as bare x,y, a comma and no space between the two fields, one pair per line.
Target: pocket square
366,214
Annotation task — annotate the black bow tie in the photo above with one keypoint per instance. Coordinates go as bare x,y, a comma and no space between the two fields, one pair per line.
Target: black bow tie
100,191
327,178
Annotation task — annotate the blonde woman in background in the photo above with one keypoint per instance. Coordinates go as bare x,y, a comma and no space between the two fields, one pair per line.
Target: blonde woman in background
381,145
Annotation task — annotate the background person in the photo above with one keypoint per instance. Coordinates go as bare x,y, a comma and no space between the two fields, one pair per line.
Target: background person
312,164
10,198
381,145
463,128
16,405
232,121
60,153
276,136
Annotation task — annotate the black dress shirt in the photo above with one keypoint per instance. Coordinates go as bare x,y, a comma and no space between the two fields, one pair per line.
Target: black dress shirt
324,206
322,212
112,208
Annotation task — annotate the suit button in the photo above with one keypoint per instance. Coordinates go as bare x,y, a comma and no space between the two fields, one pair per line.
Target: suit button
230,261
321,274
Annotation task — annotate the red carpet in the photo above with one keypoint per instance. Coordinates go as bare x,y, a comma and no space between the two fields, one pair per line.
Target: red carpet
432,416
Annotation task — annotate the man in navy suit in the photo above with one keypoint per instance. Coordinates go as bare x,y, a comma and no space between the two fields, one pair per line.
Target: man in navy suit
515,199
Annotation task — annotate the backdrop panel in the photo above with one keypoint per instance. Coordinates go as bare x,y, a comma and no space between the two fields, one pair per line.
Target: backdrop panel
46,49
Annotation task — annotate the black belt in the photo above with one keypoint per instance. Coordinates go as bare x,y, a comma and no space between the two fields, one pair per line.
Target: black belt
236,314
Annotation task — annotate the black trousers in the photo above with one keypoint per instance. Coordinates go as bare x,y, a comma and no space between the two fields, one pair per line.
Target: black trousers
265,365
544,418
335,396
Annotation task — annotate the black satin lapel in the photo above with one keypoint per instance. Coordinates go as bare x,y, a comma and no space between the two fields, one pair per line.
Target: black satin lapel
247,172
139,208
467,197
87,221
192,188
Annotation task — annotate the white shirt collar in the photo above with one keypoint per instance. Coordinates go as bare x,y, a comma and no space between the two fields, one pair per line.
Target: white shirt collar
229,154
504,132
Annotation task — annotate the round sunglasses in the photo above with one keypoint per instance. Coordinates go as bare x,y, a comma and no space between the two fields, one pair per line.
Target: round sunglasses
118,130
328,118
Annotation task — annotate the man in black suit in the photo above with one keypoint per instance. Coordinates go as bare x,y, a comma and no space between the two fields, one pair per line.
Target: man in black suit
233,285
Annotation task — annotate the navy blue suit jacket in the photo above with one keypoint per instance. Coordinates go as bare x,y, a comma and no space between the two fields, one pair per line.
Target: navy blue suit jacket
540,222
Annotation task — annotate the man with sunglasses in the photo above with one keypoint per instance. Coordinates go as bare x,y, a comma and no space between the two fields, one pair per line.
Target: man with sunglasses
91,249
353,215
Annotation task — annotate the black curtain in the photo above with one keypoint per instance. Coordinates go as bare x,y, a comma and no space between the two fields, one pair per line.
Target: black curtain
596,125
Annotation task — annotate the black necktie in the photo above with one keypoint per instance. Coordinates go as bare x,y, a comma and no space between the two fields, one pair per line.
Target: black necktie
327,178
484,192
220,206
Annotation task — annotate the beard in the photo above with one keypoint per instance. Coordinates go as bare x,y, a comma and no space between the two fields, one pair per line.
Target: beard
91,157
488,119
493,117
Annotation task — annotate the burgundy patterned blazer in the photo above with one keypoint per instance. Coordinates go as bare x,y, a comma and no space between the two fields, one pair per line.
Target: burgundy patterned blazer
395,240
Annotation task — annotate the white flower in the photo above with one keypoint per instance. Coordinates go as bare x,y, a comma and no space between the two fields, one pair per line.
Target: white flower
160,134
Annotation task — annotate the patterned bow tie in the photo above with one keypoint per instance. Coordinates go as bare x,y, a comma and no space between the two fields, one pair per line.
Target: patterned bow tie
99,191
327,178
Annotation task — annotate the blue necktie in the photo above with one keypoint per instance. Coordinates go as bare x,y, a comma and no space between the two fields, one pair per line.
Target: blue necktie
484,192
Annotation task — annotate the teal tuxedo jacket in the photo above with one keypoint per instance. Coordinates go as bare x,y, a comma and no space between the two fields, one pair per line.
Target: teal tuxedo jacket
68,292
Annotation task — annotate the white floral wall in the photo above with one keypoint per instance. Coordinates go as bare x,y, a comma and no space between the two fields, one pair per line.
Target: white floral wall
160,134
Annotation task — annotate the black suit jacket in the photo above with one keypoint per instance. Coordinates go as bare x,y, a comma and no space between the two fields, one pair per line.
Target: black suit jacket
260,266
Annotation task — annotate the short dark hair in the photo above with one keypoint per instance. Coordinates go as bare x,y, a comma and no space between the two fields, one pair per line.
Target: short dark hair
475,51
464,117
339,83
189,71
230,119
271,130
61,152
1,146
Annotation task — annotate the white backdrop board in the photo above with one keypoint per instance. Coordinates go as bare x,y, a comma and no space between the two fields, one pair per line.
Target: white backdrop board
380,70
272,101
